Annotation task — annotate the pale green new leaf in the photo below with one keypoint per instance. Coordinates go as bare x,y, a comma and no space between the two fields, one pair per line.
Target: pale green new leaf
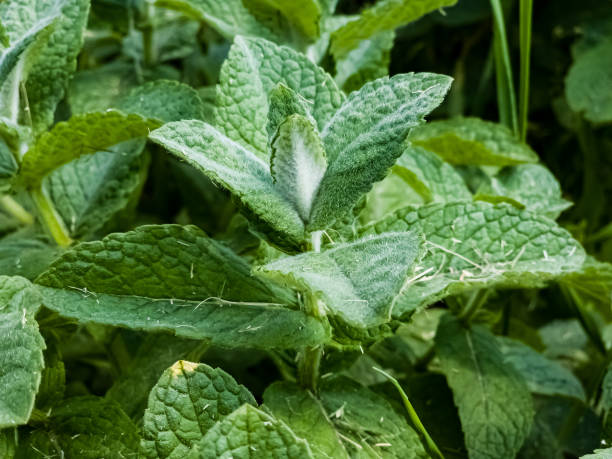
369,425
305,415
249,432
228,17
284,102
599,454
21,346
472,141
303,15
187,401
384,15
588,85
90,190
234,167
49,77
367,62
80,135
255,67
84,427
365,137
434,179
298,162
475,245
356,281
493,400
529,186
542,375
175,278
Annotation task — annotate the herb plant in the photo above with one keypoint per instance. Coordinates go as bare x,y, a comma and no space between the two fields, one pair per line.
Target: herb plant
226,231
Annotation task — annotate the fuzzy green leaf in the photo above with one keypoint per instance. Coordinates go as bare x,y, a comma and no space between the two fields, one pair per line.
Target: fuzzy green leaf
284,102
356,281
475,245
365,137
369,425
494,403
84,427
298,162
255,67
236,168
434,179
249,432
542,375
588,85
304,15
174,278
21,346
81,135
305,415
599,454
228,17
472,141
530,186
188,400
384,15
90,190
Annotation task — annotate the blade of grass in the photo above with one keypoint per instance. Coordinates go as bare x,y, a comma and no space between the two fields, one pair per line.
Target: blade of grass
525,13
433,449
506,98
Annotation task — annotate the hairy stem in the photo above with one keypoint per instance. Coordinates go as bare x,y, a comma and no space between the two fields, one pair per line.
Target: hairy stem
50,218
16,210
14,94
526,10
431,446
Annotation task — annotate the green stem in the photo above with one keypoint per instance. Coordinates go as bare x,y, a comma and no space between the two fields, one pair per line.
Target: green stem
476,301
50,218
526,11
148,36
16,210
503,69
433,449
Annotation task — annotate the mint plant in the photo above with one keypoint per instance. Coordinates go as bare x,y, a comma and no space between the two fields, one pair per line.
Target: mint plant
251,228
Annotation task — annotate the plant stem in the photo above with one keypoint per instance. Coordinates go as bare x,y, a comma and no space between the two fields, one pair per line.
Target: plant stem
16,210
148,44
476,301
526,11
506,98
433,449
50,218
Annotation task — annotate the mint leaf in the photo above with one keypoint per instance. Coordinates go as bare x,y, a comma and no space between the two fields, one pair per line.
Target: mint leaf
542,375
174,278
84,427
188,400
305,415
384,15
21,346
25,254
356,281
599,454
494,404
593,283
48,79
369,425
434,179
249,431
530,186
475,245
81,135
606,390
587,85
304,16
466,141
284,102
229,18
255,67
90,190
298,162
154,355
367,62
361,149
236,168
